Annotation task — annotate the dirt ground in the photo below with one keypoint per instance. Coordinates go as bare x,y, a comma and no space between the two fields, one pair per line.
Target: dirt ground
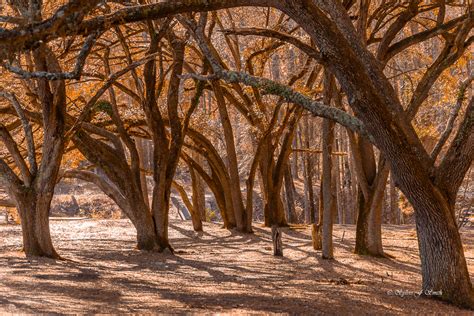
216,271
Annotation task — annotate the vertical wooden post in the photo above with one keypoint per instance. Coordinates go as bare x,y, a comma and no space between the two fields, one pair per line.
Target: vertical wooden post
277,242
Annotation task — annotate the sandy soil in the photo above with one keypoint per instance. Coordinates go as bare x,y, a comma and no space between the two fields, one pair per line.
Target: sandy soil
217,271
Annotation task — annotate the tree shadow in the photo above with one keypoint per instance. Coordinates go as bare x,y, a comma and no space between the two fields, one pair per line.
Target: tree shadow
217,271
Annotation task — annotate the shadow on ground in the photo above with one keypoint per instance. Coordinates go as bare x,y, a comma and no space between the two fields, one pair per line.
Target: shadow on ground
217,270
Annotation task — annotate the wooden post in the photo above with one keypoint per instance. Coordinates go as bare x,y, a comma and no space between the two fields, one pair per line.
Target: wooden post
277,243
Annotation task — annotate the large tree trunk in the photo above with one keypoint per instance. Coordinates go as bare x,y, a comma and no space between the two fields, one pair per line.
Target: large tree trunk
119,183
160,207
276,171
369,205
274,209
34,202
370,241
369,224
34,215
443,263
373,100
146,235
375,217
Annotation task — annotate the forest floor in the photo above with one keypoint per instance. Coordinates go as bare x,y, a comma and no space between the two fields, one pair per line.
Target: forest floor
216,271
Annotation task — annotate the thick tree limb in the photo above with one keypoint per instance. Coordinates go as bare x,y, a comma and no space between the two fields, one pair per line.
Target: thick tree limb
67,17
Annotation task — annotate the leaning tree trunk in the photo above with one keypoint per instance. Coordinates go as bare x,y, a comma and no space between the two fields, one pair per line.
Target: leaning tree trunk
195,217
119,183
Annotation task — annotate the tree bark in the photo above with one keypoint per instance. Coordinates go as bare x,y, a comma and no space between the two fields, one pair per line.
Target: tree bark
34,214
140,144
329,197
290,193
442,257
310,210
195,216
199,192
394,208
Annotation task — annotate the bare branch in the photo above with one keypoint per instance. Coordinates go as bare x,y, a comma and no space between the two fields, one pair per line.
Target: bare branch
310,51
403,44
110,81
75,74
454,114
